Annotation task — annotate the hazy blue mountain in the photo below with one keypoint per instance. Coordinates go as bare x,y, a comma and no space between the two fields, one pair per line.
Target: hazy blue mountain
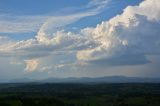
22,80
107,79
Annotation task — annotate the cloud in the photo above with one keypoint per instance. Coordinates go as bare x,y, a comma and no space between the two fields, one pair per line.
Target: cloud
14,62
20,24
4,40
129,60
51,25
31,65
123,40
98,3
128,33
46,23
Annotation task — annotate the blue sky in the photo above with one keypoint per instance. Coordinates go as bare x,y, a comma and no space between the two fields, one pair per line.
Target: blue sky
76,38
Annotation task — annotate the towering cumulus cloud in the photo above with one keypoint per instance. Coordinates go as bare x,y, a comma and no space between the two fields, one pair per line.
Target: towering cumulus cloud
133,34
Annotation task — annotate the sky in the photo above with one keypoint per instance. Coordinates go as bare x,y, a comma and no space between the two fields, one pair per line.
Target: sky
79,38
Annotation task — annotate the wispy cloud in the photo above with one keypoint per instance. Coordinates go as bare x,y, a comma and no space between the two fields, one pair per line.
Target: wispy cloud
22,24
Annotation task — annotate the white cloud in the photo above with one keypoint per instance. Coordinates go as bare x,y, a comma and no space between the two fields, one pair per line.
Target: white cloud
98,3
46,23
31,65
20,24
52,24
134,33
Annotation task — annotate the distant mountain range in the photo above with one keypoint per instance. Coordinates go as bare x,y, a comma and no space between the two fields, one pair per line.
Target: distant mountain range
107,79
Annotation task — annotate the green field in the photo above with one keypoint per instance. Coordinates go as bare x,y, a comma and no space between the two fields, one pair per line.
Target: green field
70,94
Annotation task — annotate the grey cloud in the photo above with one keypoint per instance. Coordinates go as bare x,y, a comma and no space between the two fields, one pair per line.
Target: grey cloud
121,61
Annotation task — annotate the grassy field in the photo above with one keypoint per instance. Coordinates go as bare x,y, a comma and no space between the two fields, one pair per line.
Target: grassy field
70,94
